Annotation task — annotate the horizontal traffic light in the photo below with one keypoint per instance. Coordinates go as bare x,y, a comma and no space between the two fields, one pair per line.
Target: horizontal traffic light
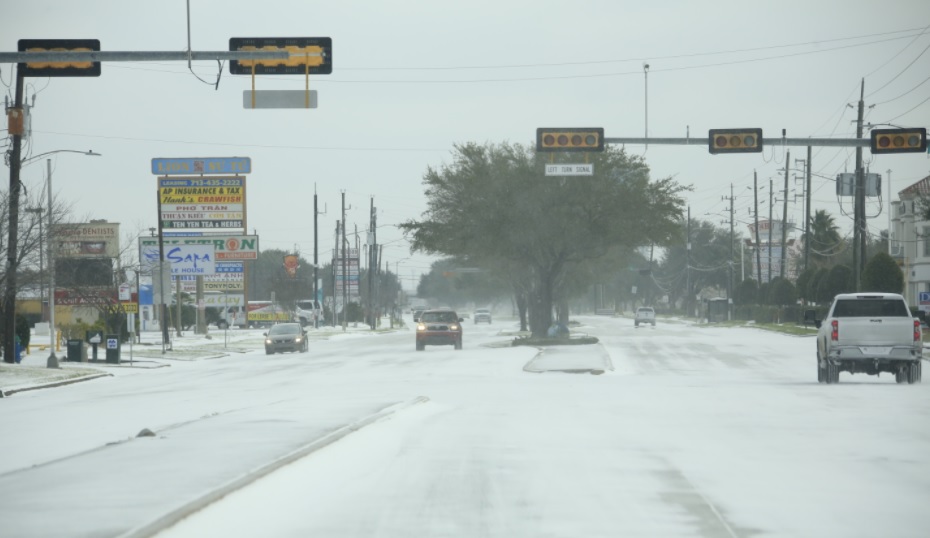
321,63
899,140
570,139
59,69
735,140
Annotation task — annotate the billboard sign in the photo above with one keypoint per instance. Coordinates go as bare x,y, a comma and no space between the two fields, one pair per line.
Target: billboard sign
191,260
226,247
201,165
86,240
202,202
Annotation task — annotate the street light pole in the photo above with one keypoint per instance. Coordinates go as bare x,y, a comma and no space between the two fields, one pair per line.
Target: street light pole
52,361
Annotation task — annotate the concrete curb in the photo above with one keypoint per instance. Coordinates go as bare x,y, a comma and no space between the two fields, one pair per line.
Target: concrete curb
171,518
5,393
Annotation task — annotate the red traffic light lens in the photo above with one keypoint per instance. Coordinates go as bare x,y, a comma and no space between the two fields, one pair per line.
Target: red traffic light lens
548,140
563,140
721,141
883,141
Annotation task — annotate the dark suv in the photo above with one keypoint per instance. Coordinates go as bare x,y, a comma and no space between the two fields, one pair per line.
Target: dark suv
439,327
286,337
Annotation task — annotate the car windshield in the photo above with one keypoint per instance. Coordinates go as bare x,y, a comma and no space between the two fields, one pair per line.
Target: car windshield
285,328
447,317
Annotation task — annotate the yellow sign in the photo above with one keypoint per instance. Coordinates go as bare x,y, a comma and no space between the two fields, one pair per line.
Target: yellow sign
202,195
269,316
130,308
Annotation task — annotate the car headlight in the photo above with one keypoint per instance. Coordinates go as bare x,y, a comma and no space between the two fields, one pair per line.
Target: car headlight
268,341
297,340
454,327
421,327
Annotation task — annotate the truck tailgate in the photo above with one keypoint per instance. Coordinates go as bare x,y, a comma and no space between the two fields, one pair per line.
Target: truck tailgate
875,331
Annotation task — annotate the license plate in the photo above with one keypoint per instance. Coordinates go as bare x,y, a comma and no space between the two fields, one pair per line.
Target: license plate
875,350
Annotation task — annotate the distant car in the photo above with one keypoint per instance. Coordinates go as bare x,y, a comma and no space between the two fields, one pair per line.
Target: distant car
286,337
645,314
416,313
482,314
439,327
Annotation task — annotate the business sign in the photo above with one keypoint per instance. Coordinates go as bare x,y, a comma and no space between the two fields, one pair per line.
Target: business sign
924,299
202,165
129,308
226,247
569,169
191,260
223,300
86,240
202,202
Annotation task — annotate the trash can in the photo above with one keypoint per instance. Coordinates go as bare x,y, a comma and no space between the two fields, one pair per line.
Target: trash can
76,351
112,342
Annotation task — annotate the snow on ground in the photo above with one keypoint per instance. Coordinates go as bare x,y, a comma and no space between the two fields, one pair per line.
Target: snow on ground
695,431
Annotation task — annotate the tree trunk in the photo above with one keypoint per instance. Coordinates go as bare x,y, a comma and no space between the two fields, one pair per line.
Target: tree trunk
541,306
521,301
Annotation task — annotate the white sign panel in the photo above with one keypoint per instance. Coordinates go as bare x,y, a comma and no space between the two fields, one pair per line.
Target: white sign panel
569,169
188,260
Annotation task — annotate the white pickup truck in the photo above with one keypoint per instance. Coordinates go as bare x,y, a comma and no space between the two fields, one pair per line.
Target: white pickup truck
869,333
645,314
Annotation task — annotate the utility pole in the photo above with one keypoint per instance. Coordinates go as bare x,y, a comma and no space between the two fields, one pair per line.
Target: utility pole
860,226
345,272
372,255
336,263
807,211
755,205
9,297
730,264
784,222
688,265
770,231
316,263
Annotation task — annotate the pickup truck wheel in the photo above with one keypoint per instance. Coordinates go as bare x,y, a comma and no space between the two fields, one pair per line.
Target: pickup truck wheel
913,373
420,346
901,375
820,373
832,373
636,323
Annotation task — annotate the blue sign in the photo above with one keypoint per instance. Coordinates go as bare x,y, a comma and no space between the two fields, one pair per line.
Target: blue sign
204,165
924,297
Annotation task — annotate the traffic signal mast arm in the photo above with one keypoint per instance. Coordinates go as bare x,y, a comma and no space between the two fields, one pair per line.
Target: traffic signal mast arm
145,56
774,142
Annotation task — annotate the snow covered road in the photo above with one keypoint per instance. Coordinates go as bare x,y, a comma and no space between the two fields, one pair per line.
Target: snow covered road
697,431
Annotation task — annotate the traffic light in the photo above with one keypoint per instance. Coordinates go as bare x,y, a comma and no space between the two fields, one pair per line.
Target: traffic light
570,139
59,69
899,140
320,64
735,141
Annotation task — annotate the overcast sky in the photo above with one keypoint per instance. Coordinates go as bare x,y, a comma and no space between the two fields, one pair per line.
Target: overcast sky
412,78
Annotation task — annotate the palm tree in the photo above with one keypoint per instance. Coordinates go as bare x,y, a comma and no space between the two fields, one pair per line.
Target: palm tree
825,240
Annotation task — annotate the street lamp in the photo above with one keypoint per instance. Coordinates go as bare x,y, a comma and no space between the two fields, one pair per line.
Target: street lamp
9,327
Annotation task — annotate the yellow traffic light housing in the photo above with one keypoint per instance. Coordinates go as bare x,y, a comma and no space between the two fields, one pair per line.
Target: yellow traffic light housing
899,140
734,140
570,139
309,55
59,69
